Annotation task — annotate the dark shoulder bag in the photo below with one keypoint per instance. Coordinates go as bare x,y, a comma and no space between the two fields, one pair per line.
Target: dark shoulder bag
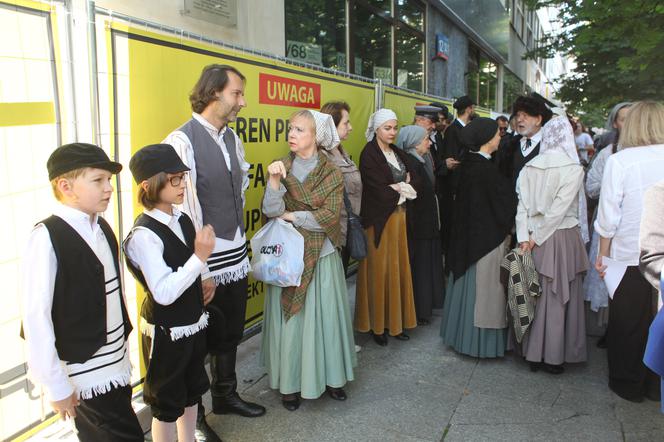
356,240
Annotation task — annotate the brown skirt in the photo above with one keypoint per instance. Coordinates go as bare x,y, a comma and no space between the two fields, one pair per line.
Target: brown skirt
384,297
558,331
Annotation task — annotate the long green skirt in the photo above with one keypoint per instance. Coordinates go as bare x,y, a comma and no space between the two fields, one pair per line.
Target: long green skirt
316,347
458,329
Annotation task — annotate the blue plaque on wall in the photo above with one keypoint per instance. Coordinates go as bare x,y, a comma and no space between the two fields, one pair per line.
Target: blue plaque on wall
442,46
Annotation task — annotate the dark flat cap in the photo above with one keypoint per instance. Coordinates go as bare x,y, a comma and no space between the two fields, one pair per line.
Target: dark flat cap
479,132
443,109
462,103
77,156
150,160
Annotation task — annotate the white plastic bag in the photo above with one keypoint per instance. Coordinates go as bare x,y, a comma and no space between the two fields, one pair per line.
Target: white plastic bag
278,254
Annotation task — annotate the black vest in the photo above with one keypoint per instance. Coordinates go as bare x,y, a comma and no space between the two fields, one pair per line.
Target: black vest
520,161
79,296
188,308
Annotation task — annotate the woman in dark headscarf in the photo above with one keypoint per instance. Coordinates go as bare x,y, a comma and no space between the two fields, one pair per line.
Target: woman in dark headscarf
423,222
474,319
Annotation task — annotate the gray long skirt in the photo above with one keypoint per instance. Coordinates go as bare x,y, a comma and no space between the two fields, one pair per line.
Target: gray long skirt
558,331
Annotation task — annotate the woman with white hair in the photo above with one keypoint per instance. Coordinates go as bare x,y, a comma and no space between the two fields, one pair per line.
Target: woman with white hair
548,225
384,298
308,346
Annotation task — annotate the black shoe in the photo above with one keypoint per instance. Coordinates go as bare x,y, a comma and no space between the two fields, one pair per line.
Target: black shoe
554,369
234,404
223,388
338,394
601,343
535,366
402,337
423,321
292,403
204,433
380,339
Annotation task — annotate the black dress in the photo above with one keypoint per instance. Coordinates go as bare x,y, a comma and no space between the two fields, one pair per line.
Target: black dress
424,248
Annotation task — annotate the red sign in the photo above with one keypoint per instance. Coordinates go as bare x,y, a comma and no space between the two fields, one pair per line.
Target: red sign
288,92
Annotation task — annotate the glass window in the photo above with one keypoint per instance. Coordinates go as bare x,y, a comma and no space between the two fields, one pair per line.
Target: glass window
409,60
410,12
488,81
372,44
512,88
383,7
316,32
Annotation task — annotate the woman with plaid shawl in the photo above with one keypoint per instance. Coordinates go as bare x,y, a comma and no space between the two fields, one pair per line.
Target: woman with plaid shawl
308,345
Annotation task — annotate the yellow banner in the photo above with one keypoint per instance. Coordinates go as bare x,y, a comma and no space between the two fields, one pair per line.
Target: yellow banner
161,72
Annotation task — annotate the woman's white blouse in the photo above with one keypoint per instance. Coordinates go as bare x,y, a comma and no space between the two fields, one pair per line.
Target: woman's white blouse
627,176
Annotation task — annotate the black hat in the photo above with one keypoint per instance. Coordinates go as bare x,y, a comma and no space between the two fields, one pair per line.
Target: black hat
150,160
462,103
533,107
430,112
76,156
443,109
479,132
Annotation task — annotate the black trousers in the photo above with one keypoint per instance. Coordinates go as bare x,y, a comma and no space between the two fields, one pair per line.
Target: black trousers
108,418
231,301
630,315
176,377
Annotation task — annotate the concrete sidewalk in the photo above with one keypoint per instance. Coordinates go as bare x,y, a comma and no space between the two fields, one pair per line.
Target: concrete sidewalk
420,390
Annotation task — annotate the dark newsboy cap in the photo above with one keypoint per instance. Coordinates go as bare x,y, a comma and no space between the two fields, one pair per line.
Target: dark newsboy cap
150,160
443,109
77,156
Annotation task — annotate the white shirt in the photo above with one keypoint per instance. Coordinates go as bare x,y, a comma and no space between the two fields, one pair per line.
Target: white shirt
461,122
191,206
145,250
596,171
583,141
548,189
39,270
534,141
627,175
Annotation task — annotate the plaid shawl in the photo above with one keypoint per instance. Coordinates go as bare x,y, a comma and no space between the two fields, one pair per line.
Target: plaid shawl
523,287
321,193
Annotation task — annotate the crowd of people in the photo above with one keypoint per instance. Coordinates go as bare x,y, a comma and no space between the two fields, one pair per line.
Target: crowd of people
485,219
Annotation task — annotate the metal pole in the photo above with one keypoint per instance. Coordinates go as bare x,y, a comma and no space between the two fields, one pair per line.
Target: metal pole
94,77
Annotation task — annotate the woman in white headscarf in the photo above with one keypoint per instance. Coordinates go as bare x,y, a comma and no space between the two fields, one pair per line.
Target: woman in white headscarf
547,224
308,346
384,301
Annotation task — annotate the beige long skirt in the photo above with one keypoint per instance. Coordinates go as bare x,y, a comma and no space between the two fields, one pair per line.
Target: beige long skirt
384,297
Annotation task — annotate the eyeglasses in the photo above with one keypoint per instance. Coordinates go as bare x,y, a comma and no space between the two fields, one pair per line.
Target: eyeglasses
176,180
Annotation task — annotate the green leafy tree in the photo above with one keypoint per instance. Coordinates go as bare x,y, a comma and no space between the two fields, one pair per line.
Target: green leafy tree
618,47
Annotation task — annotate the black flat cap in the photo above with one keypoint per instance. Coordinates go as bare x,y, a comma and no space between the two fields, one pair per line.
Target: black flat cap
77,156
463,102
443,109
479,132
150,160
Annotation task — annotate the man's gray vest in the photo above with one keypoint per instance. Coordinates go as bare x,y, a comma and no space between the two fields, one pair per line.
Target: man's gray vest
219,190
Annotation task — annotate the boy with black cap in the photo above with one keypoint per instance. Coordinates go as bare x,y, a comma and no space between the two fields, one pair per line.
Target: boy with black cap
167,256
75,320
